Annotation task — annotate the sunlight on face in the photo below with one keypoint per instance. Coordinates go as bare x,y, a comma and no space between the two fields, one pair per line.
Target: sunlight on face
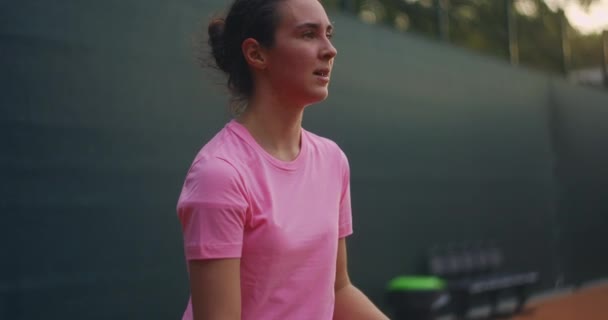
300,62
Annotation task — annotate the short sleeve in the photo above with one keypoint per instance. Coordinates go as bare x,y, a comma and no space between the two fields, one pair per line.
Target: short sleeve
212,210
345,219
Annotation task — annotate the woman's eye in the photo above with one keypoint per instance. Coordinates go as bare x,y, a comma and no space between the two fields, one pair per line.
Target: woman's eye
329,35
309,35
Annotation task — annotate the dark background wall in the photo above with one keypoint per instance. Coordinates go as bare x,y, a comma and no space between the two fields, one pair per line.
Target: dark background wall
582,174
102,109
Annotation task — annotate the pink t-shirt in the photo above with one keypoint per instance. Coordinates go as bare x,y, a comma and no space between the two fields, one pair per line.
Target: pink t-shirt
282,219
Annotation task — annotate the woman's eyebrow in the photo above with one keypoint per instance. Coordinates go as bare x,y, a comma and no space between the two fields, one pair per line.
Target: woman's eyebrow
313,25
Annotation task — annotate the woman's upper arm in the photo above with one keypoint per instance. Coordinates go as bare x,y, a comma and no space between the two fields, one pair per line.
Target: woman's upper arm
215,288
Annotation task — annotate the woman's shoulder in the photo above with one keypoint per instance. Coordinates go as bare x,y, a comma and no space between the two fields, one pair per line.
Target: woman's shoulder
214,181
221,156
212,175
325,145
225,145
213,168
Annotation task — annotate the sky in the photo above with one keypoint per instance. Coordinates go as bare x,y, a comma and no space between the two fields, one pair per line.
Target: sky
593,20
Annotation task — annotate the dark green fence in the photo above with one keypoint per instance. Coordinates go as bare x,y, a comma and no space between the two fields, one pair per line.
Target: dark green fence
103,109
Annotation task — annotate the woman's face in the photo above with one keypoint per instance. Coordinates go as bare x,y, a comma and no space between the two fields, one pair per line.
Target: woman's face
300,62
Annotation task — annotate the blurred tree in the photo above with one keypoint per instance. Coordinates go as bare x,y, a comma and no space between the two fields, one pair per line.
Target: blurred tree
562,3
586,50
587,3
539,37
407,15
481,25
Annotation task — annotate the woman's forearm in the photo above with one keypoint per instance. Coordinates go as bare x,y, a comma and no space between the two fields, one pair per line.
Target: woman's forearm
352,304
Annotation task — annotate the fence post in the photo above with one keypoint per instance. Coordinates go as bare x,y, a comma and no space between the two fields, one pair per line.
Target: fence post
565,37
513,45
443,23
605,56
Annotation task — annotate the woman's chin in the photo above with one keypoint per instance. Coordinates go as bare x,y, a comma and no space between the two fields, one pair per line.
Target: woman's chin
319,95
311,96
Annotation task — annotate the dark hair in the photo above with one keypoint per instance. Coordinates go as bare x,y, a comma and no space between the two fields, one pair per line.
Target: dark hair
257,19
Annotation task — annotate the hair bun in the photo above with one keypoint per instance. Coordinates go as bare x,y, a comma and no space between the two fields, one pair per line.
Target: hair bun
217,43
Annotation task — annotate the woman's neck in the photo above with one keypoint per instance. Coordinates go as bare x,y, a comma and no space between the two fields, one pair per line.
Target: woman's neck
275,126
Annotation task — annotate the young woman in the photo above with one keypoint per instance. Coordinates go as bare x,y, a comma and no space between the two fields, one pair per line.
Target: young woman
265,206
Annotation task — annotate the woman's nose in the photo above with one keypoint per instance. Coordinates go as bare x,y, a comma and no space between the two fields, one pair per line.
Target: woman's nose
329,51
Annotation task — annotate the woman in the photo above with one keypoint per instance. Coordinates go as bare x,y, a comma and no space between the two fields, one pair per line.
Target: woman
265,206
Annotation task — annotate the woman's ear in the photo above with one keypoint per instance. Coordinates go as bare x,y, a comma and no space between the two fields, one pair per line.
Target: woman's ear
254,53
